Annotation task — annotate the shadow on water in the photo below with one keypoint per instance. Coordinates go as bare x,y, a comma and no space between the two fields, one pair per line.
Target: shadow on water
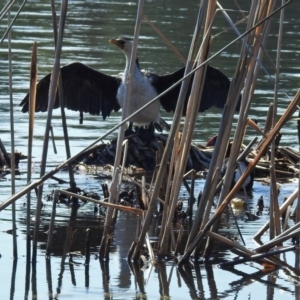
69,270
72,265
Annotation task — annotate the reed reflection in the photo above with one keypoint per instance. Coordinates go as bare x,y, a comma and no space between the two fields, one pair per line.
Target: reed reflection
49,277
13,279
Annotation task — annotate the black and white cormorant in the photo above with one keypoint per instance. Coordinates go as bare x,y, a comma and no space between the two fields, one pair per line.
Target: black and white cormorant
90,91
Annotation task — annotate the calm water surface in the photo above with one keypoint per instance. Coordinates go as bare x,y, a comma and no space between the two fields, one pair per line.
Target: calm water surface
90,24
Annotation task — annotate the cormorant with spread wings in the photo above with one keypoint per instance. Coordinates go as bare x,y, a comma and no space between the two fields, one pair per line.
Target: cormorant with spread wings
90,91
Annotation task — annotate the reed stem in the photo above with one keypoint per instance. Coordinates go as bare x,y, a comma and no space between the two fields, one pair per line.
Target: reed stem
281,122
61,99
12,137
52,94
32,100
125,113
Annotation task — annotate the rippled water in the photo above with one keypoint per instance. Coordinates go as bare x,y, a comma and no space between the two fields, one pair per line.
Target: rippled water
90,24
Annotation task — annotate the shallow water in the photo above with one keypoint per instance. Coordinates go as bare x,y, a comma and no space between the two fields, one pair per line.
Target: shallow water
89,27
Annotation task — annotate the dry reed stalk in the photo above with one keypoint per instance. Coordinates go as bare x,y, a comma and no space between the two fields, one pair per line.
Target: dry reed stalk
260,38
51,225
6,8
144,197
120,178
192,195
247,150
125,145
190,120
185,147
286,219
273,199
274,213
172,163
254,126
163,37
158,161
52,94
291,232
150,249
231,23
136,211
290,154
54,22
66,135
125,113
138,227
281,122
282,209
257,257
275,228
204,208
162,169
169,185
4,11
297,211
270,117
32,98
218,156
12,137
62,110
171,241
52,139
249,47
87,246
176,116
234,245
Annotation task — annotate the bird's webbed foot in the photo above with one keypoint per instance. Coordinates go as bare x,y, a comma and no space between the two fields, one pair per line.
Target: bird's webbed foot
145,134
129,131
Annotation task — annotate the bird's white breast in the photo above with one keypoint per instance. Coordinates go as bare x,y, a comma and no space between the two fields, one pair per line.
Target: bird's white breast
141,93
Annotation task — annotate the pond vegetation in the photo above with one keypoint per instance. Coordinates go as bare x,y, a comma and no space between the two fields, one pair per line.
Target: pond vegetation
148,198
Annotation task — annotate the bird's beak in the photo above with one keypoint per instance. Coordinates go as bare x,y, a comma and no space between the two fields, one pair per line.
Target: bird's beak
118,43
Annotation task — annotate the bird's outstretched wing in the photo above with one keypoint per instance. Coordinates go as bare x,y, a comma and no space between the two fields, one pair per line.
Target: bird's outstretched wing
214,93
85,90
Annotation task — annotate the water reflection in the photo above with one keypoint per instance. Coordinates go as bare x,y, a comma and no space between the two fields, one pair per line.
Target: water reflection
49,277
13,279
199,281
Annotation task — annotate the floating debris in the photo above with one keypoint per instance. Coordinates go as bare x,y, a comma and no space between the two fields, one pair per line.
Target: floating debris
141,159
5,158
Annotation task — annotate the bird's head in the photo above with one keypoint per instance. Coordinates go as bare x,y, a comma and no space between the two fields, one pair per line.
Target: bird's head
124,43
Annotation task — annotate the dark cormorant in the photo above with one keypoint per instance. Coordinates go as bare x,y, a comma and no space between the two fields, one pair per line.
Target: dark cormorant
240,169
90,91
